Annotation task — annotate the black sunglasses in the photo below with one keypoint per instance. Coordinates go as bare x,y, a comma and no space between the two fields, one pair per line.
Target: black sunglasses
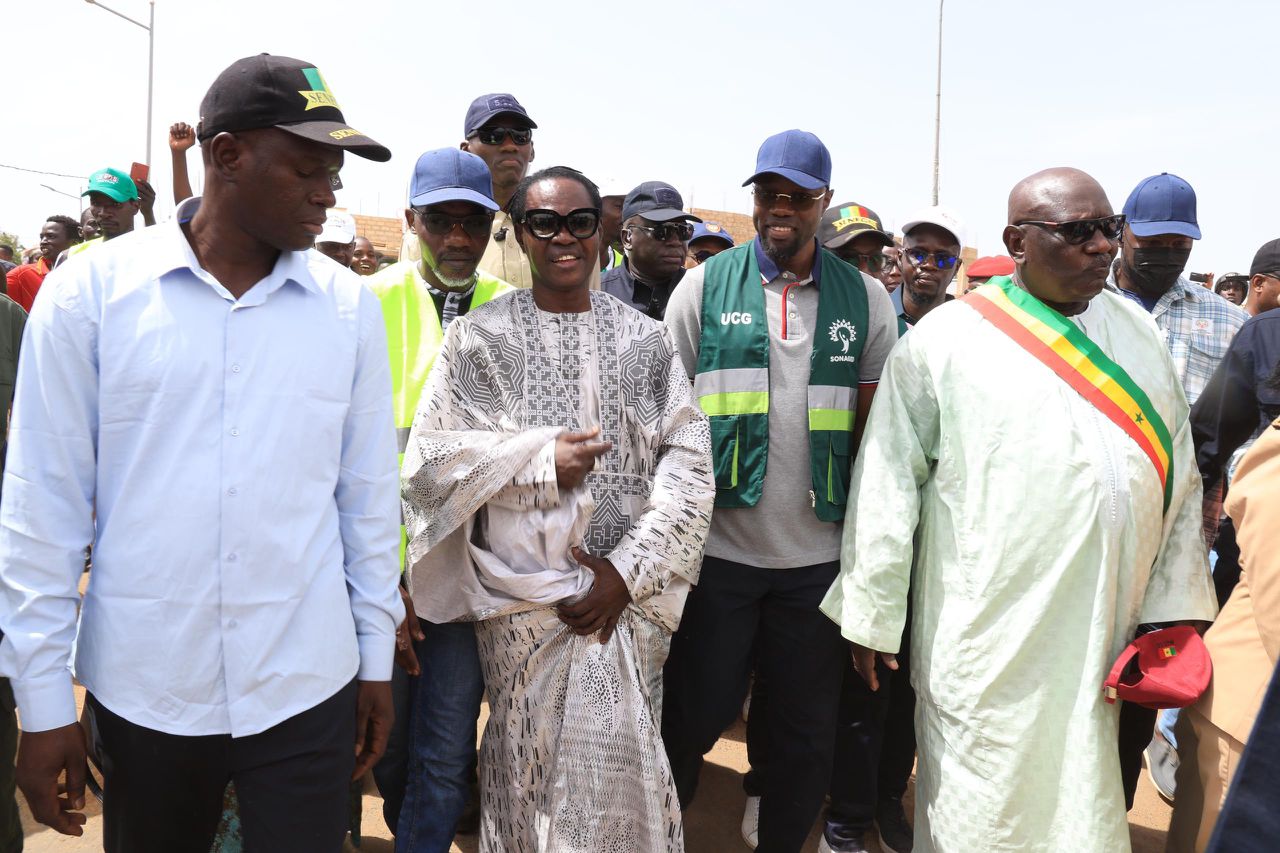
546,224
1079,231
873,263
475,224
664,232
796,201
702,255
942,260
495,135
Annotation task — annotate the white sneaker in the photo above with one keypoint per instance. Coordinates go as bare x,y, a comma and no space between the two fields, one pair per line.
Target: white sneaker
751,822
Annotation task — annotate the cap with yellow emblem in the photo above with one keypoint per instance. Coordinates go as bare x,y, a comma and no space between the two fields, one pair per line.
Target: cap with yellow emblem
288,94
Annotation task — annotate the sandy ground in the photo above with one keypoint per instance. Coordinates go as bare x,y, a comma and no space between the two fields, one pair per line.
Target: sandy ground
711,824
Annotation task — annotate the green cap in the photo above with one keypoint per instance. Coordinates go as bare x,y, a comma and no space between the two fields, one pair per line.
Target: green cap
113,183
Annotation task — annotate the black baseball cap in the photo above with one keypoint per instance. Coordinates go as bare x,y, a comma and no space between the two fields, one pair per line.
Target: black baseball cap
656,202
287,94
488,107
841,223
1267,260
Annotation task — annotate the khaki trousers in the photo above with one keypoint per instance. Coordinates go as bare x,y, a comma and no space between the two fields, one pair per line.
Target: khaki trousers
1208,758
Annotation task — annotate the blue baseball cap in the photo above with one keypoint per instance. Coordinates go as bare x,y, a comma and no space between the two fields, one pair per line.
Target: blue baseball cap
490,106
448,174
796,155
1162,204
714,230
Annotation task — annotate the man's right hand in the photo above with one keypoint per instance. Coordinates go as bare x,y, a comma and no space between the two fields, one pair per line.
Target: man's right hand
864,662
181,136
576,456
409,631
42,756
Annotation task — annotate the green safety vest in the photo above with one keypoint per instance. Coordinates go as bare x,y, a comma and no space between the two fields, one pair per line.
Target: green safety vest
414,337
80,247
732,379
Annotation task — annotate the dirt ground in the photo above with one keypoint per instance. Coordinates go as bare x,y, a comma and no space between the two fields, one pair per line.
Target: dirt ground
711,824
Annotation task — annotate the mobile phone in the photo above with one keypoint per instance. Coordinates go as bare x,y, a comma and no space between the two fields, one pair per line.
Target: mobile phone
139,172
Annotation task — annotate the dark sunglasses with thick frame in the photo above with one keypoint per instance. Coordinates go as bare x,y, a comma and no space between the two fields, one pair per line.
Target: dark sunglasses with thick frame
666,230
796,201
495,135
872,263
546,224
1079,231
474,224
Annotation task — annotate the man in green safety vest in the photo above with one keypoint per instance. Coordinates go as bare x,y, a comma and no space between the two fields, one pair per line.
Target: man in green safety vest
784,342
427,773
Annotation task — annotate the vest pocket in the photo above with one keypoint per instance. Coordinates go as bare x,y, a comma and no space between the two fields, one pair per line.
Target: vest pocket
724,450
839,469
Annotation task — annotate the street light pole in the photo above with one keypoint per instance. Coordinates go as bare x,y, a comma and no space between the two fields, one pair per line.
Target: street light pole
151,57
937,120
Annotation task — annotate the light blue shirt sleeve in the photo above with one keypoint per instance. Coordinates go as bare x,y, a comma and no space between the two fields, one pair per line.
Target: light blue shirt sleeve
46,521
368,496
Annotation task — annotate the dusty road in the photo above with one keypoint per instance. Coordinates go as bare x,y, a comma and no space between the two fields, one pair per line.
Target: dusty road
711,825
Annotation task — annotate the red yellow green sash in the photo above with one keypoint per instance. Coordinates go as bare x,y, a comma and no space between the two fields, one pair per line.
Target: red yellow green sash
1062,347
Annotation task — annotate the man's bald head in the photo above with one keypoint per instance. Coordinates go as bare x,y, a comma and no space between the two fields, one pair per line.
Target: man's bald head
1064,274
1050,193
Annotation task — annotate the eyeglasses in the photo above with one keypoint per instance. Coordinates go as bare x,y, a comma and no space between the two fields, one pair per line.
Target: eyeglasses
702,255
475,224
546,224
871,263
796,201
664,232
1079,231
495,135
941,260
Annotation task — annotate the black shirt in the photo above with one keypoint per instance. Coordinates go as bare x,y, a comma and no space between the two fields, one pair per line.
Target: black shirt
647,299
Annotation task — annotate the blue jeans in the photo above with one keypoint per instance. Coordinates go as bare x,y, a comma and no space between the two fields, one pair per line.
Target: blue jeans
442,737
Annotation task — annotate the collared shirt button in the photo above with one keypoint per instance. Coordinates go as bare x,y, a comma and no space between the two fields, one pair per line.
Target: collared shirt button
231,623
231,558
235,432
232,491
791,296
791,316
235,368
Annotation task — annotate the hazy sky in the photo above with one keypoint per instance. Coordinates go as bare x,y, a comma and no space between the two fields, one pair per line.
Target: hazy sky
685,92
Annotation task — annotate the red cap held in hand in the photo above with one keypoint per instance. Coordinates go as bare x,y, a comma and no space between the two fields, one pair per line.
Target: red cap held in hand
1173,670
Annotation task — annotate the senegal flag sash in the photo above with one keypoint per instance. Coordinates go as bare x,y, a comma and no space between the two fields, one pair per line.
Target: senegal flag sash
1061,346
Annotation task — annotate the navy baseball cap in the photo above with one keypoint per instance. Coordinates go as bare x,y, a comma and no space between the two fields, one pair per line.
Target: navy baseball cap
487,107
656,202
1162,204
448,174
713,230
796,155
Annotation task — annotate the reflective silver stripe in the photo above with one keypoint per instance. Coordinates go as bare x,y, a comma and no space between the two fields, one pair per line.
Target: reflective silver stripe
830,397
402,438
731,380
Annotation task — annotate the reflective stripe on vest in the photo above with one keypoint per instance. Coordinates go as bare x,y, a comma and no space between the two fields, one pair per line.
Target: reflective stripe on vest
831,407
733,391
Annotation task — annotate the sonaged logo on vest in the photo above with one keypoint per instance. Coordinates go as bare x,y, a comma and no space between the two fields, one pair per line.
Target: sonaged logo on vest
736,318
842,332
318,95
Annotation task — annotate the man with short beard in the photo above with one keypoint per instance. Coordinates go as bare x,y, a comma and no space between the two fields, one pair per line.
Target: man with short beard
427,774
784,344
1198,325
929,260
1028,474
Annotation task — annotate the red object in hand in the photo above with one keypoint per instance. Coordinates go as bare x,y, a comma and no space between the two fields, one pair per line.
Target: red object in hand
1173,670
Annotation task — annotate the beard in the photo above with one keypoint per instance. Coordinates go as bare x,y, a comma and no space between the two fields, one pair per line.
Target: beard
780,254
449,281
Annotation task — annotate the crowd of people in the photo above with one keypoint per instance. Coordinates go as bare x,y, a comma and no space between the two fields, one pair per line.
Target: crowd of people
594,460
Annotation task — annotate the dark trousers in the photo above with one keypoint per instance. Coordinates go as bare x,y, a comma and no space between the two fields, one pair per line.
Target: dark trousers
1226,571
875,746
10,822
163,792
798,652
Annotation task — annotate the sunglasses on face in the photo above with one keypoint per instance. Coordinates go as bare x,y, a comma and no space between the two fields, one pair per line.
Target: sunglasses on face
475,224
683,231
871,263
702,256
495,135
546,224
1079,231
941,260
796,201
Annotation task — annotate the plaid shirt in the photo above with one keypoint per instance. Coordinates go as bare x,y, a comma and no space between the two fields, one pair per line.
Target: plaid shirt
1198,326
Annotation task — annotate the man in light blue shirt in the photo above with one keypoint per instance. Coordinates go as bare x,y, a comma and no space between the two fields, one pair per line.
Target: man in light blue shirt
209,404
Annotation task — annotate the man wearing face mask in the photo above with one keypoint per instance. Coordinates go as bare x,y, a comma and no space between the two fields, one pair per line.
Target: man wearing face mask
1198,325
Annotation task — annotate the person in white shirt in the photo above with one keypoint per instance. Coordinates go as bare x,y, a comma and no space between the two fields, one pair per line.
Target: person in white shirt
217,423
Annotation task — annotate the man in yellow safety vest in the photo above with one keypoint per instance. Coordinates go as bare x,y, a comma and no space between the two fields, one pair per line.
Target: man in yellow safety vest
428,770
